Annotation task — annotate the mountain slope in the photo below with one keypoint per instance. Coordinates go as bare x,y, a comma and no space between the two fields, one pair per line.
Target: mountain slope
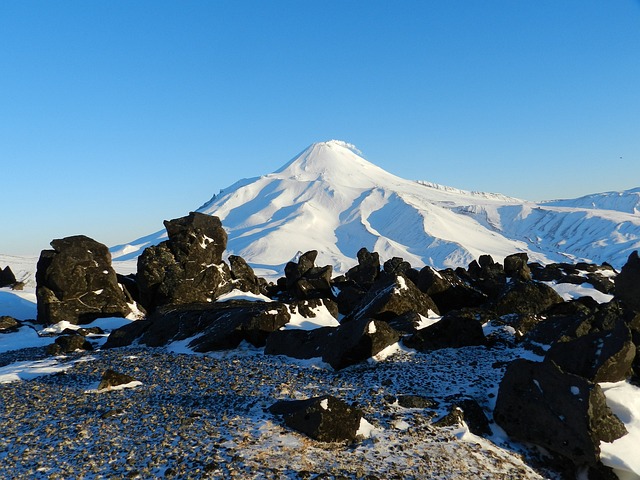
330,199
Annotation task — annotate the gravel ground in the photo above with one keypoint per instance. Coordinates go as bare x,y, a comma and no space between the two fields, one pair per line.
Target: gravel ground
200,416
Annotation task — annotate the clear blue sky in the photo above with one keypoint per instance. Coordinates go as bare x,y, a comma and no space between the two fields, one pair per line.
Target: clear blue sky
115,115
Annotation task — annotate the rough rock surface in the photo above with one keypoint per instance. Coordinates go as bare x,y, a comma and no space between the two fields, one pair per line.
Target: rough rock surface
76,283
325,418
564,413
304,280
8,324
215,326
527,297
68,344
455,330
391,297
111,378
186,268
7,278
340,347
448,290
628,282
605,356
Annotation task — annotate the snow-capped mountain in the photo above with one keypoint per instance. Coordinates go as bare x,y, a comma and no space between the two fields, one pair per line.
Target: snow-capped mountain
330,199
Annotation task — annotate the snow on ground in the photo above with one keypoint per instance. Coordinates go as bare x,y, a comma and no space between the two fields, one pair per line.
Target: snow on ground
569,291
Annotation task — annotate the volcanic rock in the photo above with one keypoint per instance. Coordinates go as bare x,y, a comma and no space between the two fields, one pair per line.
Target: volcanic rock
515,266
7,278
455,330
348,344
305,280
628,282
8,324
112,379
527,297
186,268
448,290
76,283
325,418
565,413
367,271
68,344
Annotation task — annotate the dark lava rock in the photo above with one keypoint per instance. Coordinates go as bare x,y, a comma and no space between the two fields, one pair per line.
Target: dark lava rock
218,326
186,268
467,410
568,415
604,356
325,418
7,278
308,308
487,275
304,280
395,266
111,378
68,344
527,297
367,271
244,277
348,344
406,323
415,401
8,324
391,297
448,290
628,283
455,330
515,266
76,283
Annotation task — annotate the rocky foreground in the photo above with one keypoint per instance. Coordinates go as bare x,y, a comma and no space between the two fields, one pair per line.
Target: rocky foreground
384,372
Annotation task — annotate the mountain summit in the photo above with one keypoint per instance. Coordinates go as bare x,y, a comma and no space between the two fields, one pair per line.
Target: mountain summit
328,198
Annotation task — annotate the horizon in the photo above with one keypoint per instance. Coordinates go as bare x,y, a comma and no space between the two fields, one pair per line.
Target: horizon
119,118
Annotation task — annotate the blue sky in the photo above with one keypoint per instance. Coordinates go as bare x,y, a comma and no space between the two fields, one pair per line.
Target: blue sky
117,115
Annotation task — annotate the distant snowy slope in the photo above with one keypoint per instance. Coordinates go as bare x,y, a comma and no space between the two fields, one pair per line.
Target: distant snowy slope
330,199
627,201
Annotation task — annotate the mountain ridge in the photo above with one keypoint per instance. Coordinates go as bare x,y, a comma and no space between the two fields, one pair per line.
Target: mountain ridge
329,198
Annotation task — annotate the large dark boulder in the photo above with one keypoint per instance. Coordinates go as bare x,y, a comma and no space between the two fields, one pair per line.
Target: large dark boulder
628,283
340,347
455,330
392,296
487,275
526,297
304,280
244,278
111,378
325,418
215,326
602,356
515,266
68,344
76,283
186,268
8,324
7,278
367,271
448,290
562,412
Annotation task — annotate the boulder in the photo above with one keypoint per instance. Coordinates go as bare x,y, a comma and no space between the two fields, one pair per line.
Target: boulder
186,268
526,297
415,401
448,290
76,283
309,308
325,418
628,283
487,275
515,266
111,378
8,324
68,344
244,277
562,412
455,330
215,326
7,278
367,271
340,347
469,411
304,280
602,356
393,296
395,266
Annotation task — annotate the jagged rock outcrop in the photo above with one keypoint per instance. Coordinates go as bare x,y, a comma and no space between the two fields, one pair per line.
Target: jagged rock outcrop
448,290
565,413
628,283
76,283
304,280
244,278
392,296
602,356
215,326
325,418
366,272
515,266
526,297
340,347
68,344
455,330
487,275
186,268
